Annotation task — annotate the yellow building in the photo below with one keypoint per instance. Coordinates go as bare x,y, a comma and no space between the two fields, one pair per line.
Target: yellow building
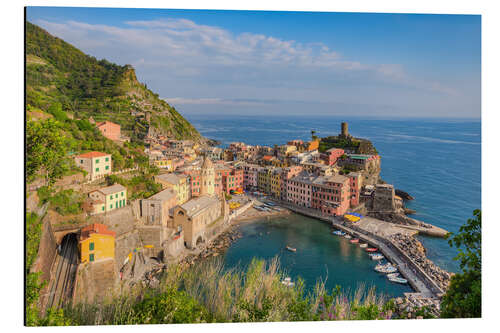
96,243
164,163
275,182
264,180
178,182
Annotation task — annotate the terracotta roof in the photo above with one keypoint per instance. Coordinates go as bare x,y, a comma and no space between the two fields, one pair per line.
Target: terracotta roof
111,189
92,154
267,157
96,228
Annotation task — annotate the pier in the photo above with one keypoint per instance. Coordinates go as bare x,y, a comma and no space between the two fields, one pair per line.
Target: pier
418,279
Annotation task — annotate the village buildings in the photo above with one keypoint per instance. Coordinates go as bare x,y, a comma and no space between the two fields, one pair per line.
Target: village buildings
108,198
156,210
96,164
109,130
178,182
96,243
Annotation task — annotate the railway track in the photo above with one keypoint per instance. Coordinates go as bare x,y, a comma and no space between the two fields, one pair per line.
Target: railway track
61,287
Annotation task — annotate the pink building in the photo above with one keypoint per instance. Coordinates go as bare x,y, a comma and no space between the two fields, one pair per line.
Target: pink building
332,155
331,195
355,187
109,130
286,175
299,189
250,172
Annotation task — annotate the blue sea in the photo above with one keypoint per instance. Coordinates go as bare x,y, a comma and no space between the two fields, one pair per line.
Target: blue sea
437,161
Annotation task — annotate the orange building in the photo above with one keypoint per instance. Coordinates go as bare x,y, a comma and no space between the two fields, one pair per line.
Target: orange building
96,243
109,130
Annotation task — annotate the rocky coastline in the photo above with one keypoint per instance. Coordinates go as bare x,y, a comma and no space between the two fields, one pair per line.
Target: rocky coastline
416,251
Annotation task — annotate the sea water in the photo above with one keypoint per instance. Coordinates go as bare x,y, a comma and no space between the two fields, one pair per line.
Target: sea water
437,161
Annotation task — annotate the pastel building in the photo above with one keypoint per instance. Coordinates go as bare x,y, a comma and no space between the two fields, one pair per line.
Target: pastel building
96,164
108,198
109,130
331,195
332,155
96,243
299,189
355,184
178,182
156,209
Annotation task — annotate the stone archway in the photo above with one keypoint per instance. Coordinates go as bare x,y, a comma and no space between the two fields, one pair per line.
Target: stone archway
199,240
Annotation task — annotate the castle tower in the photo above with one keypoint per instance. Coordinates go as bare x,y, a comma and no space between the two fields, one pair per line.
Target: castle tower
207,186
344,129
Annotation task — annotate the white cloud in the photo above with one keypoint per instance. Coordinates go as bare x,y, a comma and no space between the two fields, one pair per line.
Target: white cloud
178,57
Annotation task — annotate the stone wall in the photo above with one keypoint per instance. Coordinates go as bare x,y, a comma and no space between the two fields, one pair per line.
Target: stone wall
47,251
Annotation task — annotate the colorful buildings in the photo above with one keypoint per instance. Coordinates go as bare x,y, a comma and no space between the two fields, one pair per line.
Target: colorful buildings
299,189
178,182
96,164
195,216
331,156
155,210
109,130
331,195
108,198
96,243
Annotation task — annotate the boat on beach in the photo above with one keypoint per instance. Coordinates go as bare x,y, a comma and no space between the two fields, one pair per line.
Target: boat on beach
354,240
291,249
363,245
371,249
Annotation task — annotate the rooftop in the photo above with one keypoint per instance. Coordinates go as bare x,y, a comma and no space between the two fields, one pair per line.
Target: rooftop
171,178
93,154
111,189
163,195
195,206
96,228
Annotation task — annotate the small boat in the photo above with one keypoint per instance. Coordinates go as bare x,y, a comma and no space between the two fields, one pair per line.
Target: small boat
354,240
387,268
371,249
377,256
288,282
338,233
398,280
392,275
291,249
347,236
363,245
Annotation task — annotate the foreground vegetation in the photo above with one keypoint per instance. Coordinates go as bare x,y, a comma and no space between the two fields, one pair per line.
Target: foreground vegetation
207,293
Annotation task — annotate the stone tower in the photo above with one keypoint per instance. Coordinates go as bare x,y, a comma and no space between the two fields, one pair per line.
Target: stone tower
207,186
344,130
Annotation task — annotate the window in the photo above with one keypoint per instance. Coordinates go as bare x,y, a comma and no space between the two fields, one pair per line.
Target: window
107,167
91,246
111,206
81,161
97,160
102,208
110,197
96,169
122,194
91,257
107,159
116,195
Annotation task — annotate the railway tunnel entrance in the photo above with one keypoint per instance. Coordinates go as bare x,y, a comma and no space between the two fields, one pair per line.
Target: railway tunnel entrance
64,273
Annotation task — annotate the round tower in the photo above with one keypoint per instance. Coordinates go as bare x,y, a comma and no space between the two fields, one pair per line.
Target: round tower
344,129
207,186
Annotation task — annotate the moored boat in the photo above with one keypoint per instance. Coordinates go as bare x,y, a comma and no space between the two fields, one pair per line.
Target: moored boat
398,280
371,249
291,249
377,256
347,236
363,245
288,282
338,233
354,240
392,275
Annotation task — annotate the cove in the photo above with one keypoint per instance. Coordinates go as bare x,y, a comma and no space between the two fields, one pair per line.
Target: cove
320,255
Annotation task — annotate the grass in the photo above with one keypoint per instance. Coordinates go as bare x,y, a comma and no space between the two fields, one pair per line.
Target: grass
208,292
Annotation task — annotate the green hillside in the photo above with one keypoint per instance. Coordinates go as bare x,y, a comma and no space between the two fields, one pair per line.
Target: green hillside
59,76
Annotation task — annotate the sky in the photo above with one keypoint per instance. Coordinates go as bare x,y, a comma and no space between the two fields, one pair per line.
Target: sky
287,63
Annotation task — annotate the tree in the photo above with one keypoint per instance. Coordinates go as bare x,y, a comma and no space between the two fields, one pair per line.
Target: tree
463,297
45,150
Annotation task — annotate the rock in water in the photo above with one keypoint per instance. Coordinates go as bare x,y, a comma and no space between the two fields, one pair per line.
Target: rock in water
404,195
